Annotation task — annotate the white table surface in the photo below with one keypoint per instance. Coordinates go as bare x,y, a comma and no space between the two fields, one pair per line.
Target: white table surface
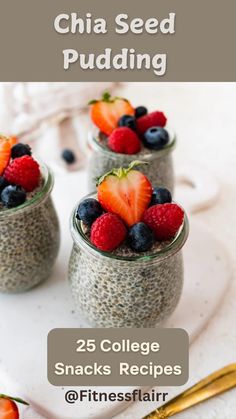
204,117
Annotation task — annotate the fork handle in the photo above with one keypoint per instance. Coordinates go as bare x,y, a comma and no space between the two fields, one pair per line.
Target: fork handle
216,383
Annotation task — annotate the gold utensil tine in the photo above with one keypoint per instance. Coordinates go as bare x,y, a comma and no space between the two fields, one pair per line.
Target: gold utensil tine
215,383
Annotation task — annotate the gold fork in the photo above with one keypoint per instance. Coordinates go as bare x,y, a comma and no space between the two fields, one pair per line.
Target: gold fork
216,383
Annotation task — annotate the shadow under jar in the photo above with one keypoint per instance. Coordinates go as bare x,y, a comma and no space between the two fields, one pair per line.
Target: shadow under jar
125,291
30,240
159,169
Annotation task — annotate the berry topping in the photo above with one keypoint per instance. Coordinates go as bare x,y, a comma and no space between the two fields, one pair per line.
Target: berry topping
127,121
23,171
140,237
5,153
89,210
13,196
69,156
105,113
108,232
160,196
124,140
8,409
20,150
155,138
152,119
12,140
140,111
164,219
3,183
125,192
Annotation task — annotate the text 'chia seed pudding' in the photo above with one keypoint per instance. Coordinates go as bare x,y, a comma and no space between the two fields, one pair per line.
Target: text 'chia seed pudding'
125,134
126,267
29,226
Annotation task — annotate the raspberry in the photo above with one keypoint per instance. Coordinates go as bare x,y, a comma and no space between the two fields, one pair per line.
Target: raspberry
23,171
153,119
124,140
108,231
164,220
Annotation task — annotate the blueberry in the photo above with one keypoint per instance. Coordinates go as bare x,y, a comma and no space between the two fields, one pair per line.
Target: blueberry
13,196
160,196
20,150
140,111
89,210
140,237
128,121
3,183
68,155
156,138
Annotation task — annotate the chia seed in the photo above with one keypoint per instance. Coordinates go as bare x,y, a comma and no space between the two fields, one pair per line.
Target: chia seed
124,288
29,239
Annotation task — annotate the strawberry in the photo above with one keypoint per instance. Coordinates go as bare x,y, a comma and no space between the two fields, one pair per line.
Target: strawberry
12,140
8,407
153,119
23,171
105,113
6,143
5,154
124,140
108,232
125,192
164,219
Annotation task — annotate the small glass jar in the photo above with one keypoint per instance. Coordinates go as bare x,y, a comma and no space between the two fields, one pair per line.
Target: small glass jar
159,169
118,291
30,240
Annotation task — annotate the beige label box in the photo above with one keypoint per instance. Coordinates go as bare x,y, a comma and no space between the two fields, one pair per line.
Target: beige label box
118,357
198,47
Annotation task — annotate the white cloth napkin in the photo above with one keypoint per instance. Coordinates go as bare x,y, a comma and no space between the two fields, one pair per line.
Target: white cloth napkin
22,105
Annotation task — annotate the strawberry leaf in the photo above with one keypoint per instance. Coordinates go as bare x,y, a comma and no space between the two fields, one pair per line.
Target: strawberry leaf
14,399
120,171
106,97
92,102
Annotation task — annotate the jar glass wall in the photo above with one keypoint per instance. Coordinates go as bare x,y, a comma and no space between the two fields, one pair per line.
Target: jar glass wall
29,240
159,169
118,291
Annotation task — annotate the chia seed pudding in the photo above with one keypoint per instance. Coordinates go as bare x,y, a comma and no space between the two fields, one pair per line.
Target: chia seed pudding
125,288
159,169
29,238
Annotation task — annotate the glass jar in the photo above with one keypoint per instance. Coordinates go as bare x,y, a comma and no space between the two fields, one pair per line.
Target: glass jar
159,169
29,240
130,291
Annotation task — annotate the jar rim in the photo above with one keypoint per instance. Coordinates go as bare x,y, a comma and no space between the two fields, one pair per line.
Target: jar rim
93,139
170,249
48,182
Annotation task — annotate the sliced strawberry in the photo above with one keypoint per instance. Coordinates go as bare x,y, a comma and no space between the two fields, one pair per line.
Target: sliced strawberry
105,113
8,409
125,192
5,153
12,140
6,144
